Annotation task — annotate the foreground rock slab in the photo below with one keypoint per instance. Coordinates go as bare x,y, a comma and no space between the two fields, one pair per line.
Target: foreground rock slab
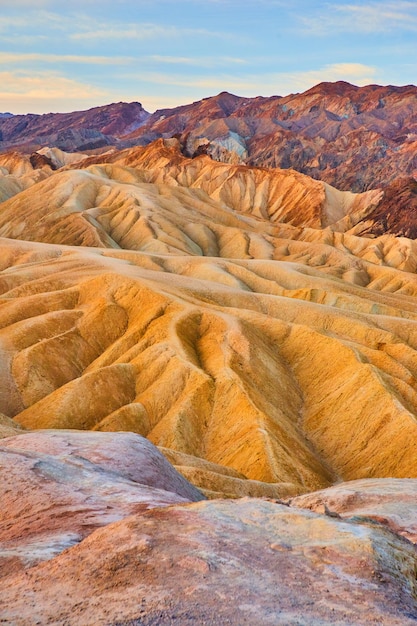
237,562
58,487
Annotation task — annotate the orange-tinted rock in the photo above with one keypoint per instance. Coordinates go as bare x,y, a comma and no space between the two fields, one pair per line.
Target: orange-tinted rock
203,320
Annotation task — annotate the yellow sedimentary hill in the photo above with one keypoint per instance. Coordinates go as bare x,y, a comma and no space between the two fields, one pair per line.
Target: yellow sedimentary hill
17,173
223,312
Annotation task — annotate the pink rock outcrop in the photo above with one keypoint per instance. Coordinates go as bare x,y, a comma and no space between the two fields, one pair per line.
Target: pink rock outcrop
59,486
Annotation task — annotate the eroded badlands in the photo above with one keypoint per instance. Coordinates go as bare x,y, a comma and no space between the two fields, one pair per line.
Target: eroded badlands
236,319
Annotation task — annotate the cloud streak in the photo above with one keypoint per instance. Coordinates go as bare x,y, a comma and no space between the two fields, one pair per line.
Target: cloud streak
18,58
206,62
373,17
146,31
22,92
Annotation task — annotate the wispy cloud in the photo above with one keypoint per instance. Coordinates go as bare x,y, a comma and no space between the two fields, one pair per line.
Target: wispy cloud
371,17
21,92
356,73
18,58
198,61
146,31
31,20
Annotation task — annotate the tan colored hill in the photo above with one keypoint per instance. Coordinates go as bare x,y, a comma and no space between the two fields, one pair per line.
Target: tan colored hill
155,199
17,173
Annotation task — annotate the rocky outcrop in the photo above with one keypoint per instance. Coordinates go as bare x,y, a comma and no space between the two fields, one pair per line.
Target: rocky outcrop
396,213
19,172
355,138
38,161
99,528
388,502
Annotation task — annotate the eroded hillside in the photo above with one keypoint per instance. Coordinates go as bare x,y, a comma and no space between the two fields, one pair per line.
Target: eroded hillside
229,314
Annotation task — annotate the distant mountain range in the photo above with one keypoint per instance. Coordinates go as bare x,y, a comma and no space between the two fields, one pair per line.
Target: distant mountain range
355,138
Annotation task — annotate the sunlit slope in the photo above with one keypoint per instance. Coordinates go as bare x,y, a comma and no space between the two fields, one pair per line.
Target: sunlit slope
284,372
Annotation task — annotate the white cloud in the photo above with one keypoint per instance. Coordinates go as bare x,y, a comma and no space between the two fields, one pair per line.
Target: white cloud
373,17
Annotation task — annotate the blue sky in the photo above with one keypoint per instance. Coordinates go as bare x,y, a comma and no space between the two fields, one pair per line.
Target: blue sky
65,56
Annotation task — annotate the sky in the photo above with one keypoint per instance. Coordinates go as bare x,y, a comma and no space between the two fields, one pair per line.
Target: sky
72,55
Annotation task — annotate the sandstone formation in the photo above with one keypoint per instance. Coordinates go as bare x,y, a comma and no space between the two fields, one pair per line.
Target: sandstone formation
223,562
17,173
387,501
